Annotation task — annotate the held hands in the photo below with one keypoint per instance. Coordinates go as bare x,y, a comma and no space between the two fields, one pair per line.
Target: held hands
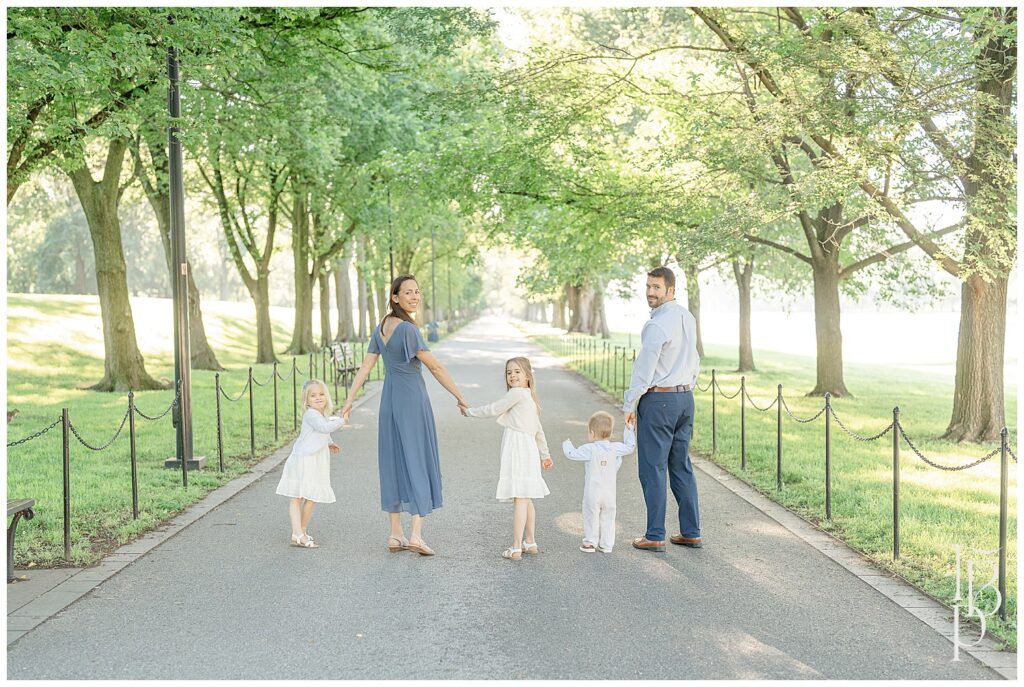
631,420
346,410
463,407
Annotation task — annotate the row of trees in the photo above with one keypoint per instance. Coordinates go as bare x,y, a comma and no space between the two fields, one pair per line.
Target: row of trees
295,120
796,148
831,149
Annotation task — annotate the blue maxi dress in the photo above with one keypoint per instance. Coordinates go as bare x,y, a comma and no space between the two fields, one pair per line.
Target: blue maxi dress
410,471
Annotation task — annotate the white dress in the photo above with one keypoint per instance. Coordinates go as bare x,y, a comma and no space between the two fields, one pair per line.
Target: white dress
522,445
307,472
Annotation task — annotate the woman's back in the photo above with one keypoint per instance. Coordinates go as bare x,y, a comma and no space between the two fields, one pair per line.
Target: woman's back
399,350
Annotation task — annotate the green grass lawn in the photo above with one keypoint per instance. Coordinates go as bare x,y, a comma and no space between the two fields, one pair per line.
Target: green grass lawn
55,348
939,509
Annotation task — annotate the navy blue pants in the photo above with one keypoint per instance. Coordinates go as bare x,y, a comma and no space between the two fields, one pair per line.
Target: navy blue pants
664,427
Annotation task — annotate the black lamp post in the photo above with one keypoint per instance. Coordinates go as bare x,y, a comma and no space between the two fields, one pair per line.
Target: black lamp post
182,356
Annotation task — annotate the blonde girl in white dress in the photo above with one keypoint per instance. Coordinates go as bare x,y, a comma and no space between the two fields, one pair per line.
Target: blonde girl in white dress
524,452
306,478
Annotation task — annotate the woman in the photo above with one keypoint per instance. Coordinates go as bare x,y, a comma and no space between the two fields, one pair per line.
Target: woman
410,474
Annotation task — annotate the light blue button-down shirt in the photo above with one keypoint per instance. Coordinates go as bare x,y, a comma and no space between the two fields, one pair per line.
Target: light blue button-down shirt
668,353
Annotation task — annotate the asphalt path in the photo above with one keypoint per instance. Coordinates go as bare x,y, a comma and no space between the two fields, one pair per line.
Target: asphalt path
228,598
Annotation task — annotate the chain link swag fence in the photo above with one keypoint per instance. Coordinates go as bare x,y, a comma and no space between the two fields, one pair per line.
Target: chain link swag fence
336,364
607,364
323,361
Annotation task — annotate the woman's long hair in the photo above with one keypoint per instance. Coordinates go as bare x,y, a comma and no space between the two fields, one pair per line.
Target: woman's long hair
396,309
531,382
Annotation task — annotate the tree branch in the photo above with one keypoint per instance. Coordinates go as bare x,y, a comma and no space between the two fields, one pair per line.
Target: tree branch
849,270
778,246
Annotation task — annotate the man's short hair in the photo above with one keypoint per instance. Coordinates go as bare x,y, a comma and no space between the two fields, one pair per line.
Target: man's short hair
601,424
666,274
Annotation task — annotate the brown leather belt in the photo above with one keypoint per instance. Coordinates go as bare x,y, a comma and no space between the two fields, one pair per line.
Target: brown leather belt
669,389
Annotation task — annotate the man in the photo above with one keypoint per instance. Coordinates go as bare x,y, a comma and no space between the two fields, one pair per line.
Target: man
659,402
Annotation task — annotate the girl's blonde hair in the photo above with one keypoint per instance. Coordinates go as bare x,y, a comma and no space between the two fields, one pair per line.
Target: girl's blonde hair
531,382
329,408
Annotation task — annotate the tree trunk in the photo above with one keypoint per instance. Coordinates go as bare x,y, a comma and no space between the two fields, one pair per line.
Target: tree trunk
598,320
302,327
264,333
343,295
203,357
978,412
360,290
692,275
382,302
123,366
81,278
558,314
222,281
586,301
365,328
828,335
579,298
371,311
158,194
325,309
744,274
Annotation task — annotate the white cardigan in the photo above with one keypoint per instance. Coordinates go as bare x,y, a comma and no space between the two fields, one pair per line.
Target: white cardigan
516,410
315,434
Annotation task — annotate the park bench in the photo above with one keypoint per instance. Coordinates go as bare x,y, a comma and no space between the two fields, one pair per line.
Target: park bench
345,362
17,508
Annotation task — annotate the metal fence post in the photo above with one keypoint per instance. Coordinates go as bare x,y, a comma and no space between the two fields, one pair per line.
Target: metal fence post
334,374
252,423
828,456
743,423
66,426
778,440
604,362
896,483
310,366
714,416
1004,480
295,394
132,455
615,370
220,426
625,384
276,429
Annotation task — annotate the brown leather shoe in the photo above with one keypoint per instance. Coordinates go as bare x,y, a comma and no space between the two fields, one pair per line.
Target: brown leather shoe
645,544
692,542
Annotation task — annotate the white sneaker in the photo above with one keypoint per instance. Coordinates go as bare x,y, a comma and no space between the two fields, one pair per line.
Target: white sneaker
587,548
604,550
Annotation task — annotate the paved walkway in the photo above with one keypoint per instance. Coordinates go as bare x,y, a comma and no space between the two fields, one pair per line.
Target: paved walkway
228,598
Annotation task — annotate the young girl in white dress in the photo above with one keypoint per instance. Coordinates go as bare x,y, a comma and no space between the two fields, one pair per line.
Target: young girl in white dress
524,451
306,477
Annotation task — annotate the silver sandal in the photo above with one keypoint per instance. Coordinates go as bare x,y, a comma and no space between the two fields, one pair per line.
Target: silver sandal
304,541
